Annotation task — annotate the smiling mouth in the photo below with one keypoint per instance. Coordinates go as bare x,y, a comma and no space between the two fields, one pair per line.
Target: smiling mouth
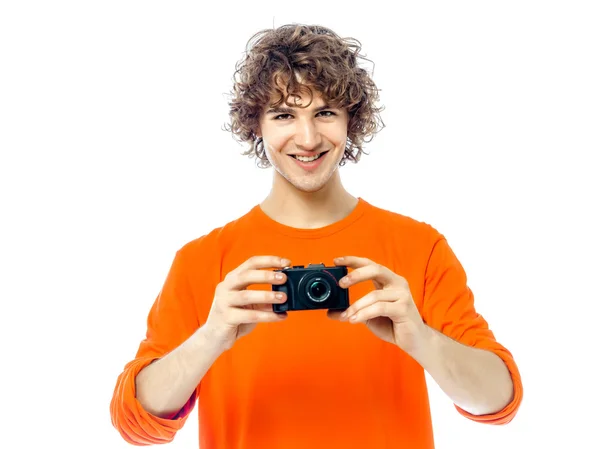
308,158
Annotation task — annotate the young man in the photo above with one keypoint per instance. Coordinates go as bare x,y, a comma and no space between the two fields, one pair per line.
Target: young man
311,378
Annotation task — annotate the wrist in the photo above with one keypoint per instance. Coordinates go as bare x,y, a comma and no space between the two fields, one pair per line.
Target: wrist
208,340
427,351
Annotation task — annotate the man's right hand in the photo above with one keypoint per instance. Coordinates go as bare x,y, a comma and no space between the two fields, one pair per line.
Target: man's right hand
235,310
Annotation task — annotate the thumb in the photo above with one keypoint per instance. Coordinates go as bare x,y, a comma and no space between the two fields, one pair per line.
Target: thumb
334,314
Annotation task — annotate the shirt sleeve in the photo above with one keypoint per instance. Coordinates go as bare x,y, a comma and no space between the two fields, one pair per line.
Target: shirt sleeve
171,320
449,307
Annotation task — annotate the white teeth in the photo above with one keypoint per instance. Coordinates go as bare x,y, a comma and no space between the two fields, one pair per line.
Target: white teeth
307,158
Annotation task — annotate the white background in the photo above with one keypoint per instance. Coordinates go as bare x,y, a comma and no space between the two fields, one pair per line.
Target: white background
113,156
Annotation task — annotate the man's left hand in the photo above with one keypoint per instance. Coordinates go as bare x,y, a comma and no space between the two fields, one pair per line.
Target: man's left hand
388,311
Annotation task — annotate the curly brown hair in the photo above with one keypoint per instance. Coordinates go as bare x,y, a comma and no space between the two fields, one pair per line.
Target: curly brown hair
324,62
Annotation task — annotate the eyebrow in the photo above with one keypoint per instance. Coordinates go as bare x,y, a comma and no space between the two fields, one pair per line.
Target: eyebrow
291,111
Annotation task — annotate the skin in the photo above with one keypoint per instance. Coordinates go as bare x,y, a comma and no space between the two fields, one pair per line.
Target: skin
476,380
299,198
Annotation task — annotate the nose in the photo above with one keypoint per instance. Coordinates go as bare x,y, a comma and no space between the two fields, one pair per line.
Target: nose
307,137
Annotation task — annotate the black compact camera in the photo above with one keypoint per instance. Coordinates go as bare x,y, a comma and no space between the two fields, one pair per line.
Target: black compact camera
313,287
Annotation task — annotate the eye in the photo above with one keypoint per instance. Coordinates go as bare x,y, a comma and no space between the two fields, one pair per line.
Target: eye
284,116
281,115
330,113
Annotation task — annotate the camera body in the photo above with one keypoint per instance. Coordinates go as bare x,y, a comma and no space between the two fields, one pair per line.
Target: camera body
313,287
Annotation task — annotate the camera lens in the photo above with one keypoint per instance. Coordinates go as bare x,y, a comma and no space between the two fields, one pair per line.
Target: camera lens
318,290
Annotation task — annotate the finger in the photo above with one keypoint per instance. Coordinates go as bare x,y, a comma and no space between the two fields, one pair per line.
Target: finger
373,271
251,316
263,307
353,261
255,297
375,310
241,280
368,300
260,262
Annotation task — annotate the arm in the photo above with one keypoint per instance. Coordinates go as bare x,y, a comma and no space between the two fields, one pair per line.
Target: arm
446,336
157,390
172,323
165,386
476,380
460,351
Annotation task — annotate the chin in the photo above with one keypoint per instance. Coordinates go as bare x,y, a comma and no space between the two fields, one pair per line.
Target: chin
308,187
311,183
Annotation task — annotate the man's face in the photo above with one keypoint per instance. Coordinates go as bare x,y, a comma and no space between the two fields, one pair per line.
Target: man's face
305,145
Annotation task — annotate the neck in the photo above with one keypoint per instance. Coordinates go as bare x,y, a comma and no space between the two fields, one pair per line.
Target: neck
308,210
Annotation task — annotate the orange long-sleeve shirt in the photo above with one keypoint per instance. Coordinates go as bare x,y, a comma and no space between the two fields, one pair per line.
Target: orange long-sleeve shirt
309,381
